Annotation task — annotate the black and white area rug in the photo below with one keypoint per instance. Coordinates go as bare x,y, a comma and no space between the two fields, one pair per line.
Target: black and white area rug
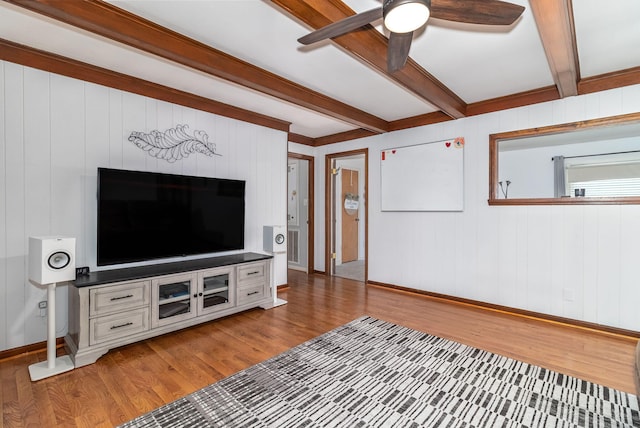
370,373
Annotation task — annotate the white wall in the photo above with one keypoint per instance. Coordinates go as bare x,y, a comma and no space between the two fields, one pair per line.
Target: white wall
570,261
301,149
54,134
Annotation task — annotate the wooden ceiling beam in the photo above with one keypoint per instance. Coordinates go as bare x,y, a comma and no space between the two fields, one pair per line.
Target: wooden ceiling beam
341,137
371,47
554,19
117,24
45,61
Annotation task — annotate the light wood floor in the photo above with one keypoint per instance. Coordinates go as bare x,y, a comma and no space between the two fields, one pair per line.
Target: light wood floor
132,380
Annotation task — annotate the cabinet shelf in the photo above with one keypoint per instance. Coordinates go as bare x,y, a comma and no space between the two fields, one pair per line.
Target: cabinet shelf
215,290
166,301
173,290
213,300
171,309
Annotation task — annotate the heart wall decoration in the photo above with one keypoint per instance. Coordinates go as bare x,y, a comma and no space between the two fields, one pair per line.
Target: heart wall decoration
457,142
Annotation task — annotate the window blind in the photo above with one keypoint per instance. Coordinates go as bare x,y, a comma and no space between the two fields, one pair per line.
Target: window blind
605,179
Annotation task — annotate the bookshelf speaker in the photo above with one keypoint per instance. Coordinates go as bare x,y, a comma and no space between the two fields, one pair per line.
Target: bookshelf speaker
52,259
274,240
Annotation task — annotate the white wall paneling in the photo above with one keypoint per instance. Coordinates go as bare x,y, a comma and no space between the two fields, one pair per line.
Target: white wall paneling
301,149
14,204
37,189
569,261
630,292
3,214
55,133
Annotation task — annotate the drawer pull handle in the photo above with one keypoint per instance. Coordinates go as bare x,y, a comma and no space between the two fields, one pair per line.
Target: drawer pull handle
252,293
121,297
253,273
121,325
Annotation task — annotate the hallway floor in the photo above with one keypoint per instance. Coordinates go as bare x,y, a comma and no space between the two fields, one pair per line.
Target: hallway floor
351,270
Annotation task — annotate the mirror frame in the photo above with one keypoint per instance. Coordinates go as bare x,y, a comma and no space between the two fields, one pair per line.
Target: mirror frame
494,139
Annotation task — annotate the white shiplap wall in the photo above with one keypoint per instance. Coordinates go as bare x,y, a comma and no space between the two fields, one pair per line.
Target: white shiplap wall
526,257
54,134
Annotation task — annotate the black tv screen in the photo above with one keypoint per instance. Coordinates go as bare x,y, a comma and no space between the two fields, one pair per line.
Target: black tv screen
144,215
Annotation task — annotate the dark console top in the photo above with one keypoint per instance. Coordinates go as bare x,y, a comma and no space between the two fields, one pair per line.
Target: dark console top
128,274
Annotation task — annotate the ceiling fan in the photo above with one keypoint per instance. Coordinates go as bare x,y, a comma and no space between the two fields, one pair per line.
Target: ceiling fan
403,17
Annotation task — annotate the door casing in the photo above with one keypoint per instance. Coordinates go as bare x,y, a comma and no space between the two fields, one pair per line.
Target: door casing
311,219
329,214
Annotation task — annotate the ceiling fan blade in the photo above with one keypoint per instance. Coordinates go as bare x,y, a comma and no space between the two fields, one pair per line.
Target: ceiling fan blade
488,12
341,27
398,50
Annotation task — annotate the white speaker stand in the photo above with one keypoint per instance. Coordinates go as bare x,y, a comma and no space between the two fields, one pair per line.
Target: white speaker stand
53,365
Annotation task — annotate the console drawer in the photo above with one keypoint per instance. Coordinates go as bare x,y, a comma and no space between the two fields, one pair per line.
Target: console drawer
117,298
251,273
250,294
116,326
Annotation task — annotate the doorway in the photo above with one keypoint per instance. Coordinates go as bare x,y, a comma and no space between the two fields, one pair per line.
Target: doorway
300,214
346,214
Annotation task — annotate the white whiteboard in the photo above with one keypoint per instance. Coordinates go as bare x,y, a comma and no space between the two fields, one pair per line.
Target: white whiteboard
424,177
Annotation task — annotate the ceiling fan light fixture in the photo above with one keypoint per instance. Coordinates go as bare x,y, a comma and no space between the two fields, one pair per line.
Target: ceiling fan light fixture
404,16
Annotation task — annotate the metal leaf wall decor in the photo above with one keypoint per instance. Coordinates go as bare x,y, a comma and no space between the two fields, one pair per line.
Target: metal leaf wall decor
173,144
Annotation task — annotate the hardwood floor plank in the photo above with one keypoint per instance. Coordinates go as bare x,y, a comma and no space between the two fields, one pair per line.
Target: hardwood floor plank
137,378
86,390
9,394
117,384
46,405
61,398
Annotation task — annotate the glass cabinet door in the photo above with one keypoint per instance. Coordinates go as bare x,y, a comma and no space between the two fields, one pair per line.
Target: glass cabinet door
215,291
173,299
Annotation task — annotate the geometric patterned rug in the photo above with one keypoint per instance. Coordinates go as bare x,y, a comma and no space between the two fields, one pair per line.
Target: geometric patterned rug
371,373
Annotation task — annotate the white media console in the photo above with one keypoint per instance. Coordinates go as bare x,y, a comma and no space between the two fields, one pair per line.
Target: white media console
108,309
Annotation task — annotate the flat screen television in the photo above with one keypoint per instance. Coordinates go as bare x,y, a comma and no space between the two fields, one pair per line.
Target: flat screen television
146,215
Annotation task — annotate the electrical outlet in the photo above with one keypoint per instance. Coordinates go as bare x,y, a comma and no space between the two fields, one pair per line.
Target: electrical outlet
81,271
42,305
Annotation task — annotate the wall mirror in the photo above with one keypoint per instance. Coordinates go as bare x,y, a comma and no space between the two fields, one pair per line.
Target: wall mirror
589,162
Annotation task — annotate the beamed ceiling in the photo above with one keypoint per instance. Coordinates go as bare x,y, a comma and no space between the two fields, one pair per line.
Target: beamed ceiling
241,59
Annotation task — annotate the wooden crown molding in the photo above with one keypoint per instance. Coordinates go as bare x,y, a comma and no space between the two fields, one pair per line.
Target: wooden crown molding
114,23
117,24
301,139
330,139
608,81
420,120
496,104
541,95
30,57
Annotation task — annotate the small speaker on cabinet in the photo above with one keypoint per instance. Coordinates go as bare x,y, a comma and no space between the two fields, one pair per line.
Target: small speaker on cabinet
52,259
275,239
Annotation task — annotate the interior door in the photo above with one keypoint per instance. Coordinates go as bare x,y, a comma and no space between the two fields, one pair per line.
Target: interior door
298,214
349,203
